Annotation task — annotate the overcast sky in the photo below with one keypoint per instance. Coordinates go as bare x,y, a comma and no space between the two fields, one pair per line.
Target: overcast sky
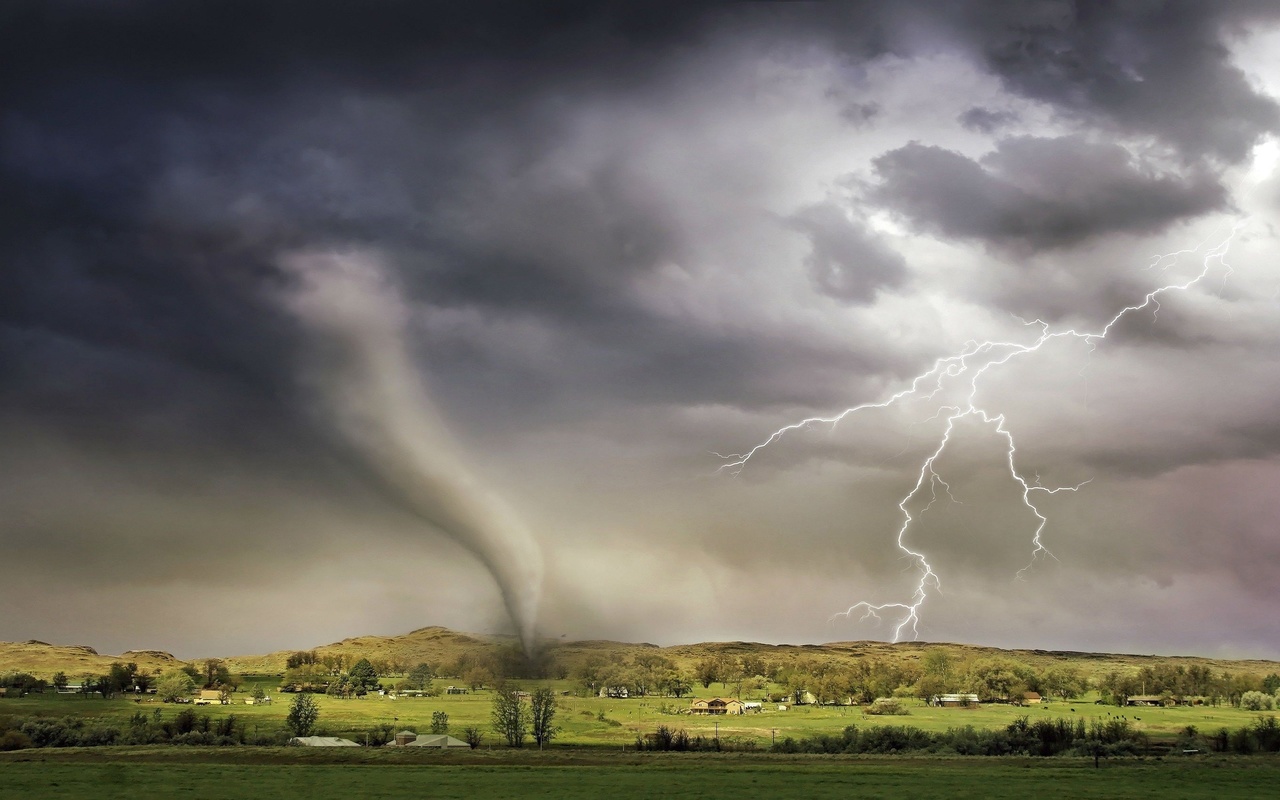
326,319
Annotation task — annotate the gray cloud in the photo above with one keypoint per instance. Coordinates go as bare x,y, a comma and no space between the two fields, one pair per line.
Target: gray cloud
1158,68
847,261
986,120
1036,193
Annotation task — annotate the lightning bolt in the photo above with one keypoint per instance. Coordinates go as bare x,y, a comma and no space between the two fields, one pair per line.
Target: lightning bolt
966,370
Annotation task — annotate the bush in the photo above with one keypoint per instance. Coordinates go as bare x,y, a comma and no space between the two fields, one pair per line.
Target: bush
1266,732
53,732
14,740
679,740
379,735
887,706
473,736
1256,701
893,739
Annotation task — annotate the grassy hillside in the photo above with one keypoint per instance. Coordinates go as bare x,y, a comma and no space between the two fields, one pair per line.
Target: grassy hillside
441,646
43,659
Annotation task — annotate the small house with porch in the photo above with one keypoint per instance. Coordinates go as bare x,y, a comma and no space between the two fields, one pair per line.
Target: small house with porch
717,705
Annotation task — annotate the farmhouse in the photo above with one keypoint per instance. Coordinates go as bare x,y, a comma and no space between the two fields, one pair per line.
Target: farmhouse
1145,700
619,692
1031,698
210,697
717,705
322,741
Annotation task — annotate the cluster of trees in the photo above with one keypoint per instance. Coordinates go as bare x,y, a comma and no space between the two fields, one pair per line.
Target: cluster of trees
186,728
1175,682
727,670
176,684
310,671
836,682
356,682
939,671
679,740
24,682
1045,737
832,681
645,674
1260,701
1263,736
514,721
337,663
419,678
339,677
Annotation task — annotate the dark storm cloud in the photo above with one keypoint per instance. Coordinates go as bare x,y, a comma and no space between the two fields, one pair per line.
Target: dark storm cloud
1036,194
157,159
383,44
846,260
1155,68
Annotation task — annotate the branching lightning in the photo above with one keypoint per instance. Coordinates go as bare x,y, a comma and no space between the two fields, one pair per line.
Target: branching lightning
965,370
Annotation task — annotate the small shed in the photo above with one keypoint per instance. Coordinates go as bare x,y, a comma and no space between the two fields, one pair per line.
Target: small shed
404,738
1032,698
322,741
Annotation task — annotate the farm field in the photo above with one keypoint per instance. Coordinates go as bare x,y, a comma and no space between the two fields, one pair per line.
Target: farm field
287,773
605,722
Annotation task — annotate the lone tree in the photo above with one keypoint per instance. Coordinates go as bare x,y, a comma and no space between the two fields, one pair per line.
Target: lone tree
510,720
542,713
302,714
420,677
215,673
363,676
439,722
174,685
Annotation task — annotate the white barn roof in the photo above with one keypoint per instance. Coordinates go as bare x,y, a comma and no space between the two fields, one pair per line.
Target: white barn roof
322,741
438,741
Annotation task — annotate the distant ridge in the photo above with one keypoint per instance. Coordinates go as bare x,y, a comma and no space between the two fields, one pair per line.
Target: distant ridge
43,659
442,646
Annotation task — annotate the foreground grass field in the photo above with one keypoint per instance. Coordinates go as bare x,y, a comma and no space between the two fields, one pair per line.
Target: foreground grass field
616,723
289,773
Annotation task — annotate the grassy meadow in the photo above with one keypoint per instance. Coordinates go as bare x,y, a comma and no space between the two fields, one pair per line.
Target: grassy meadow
232,773
611,722
594,753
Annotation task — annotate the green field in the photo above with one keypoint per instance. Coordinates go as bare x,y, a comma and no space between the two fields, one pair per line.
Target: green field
289,773
581,723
